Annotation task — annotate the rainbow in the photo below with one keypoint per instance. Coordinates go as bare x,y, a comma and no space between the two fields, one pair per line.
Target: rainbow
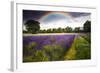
64,14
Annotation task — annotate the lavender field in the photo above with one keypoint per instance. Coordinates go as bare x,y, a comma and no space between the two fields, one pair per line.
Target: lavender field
38,48
56,35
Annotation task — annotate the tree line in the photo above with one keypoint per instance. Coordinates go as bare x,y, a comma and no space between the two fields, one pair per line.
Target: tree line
33,27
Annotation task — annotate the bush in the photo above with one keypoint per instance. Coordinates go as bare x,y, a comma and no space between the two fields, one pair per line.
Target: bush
54,52
29,49
27,59
31,54
87,37
39,55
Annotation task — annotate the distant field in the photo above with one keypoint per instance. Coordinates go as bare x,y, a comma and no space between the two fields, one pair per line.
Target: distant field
56,47
43,34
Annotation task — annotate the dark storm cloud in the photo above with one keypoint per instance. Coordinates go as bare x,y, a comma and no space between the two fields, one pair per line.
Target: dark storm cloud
78,14
36,15
32,15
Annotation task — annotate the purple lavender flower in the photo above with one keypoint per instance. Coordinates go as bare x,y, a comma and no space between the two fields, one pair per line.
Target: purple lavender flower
65,41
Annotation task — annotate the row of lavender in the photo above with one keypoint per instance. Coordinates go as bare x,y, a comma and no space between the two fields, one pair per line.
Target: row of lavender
46,48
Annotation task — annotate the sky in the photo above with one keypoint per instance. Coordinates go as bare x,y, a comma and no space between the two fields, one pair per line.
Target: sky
56,19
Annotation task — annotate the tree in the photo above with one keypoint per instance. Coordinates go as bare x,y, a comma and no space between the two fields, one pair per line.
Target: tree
54,30
24,31
32,26
68,29
59,30
49,30
77,29
87,26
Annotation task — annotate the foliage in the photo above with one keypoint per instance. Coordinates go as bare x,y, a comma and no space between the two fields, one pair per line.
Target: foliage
39,55
57,30
71,53
33,55
29,49
87,26
54,52
48,53
79,50
24,31
68,29
32,26
27,59
87,37
83,49
77,29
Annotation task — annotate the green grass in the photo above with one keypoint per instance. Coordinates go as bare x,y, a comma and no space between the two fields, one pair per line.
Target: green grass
71,53
87,37
80,49
83,49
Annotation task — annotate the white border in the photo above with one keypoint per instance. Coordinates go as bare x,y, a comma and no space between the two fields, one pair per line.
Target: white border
17,37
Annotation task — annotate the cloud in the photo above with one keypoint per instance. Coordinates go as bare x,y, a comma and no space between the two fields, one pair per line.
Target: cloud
78,14
61,24
75,22
82,18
